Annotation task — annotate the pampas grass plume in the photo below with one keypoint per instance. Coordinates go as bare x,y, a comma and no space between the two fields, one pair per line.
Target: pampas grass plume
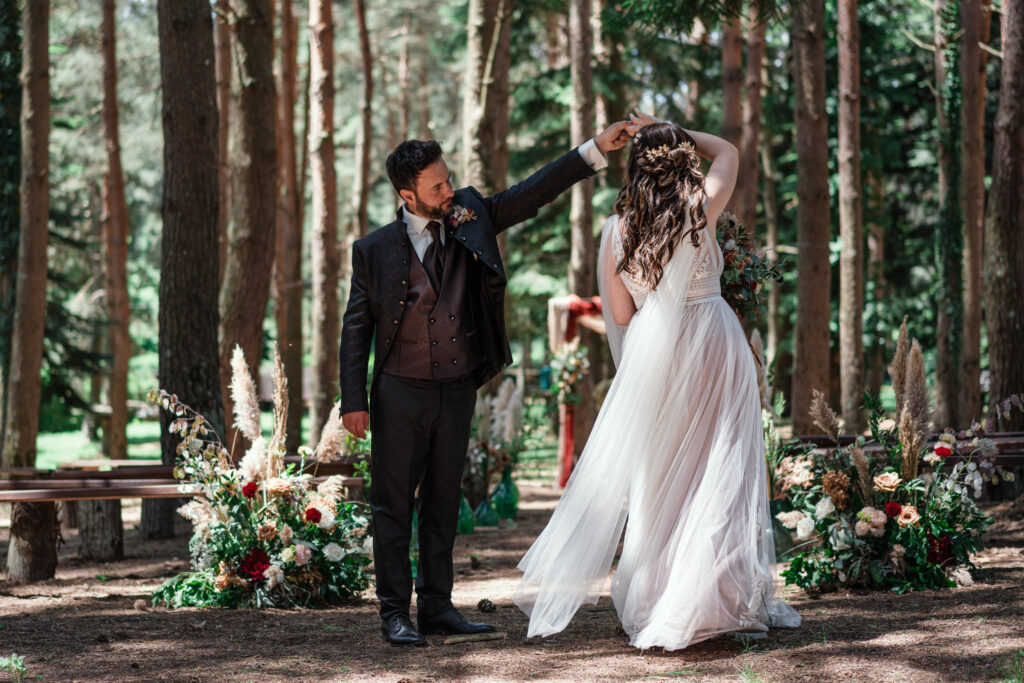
915,394
243,395
824,416
911,441
860,461
275,456
757,346
332,438
898,368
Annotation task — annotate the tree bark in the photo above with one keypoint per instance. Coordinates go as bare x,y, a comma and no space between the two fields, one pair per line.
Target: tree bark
251,238
485,97
974,16
732,96
851,258
581,258
324,329
288,259
32,554
405,78
948,239
364,141
750,144
811,354
222,53
188,313
116,230
771,242
876,273
100,532
1004,224
10,172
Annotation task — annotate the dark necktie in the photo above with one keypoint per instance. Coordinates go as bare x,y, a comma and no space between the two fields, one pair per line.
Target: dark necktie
433,257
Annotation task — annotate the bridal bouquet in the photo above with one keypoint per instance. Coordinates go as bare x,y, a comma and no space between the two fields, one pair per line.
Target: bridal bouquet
880,521
746,270
264,534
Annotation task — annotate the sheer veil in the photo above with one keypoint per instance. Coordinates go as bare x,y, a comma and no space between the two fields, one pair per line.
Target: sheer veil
569,562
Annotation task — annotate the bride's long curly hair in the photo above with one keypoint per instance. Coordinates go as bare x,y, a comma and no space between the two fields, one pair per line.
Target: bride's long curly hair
663,184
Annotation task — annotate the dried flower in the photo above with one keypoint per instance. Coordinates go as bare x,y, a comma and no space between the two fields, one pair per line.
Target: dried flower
860,462
898,368
887,482
332,437
302,554
332,489
275,459
285,534
793,471
915,396
911,439
253,465
824,416
244,397
274,576
836,485
790,518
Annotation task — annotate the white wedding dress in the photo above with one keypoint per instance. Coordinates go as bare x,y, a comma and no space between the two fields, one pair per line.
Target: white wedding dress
678,449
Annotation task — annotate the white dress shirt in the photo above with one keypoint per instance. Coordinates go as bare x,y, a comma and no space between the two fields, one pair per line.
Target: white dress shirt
416,226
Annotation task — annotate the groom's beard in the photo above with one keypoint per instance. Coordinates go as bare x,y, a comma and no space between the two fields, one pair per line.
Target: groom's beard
435,213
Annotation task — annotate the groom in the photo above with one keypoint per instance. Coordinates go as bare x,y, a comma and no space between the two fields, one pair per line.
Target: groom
428,296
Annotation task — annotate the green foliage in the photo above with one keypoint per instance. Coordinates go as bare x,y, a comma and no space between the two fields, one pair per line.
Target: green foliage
1013,668
679,15
14,664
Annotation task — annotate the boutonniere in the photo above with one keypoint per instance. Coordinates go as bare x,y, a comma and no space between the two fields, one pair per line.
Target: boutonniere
460,215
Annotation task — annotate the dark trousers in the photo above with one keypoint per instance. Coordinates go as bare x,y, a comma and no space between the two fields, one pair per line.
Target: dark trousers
420,437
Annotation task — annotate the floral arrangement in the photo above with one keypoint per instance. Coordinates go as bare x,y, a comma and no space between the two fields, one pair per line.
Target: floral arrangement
459,215
568,367
746,270
498,439
880,521
265,535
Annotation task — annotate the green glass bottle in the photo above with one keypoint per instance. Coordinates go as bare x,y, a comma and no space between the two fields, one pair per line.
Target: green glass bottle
485,514
467,522
505,496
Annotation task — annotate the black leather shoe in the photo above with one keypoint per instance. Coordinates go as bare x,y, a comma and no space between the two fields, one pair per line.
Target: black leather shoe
399,631
451,623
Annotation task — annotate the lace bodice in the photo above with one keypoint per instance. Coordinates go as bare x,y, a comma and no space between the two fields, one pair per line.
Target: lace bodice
704,284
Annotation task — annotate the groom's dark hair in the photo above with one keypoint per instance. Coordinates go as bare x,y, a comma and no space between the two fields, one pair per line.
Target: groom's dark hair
408,160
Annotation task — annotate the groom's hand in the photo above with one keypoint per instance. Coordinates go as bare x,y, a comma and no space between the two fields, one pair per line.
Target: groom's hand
356,423
614,136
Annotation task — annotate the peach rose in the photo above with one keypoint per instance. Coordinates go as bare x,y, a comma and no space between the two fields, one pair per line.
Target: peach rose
887,481
909,516
278,486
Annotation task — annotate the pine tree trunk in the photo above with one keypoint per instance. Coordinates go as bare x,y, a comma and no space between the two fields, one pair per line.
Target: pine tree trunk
405,79
288,259
485,97
948,233
811,352
615,99
10,173
222,54
771,243
879,291
359,225
750,145
581,258
974,18
100,532
115,222
324,218
851,258
732,96
1004,224
251,237
188,313
32,555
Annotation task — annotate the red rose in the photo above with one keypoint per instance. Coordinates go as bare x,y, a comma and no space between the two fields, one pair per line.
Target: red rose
312,515
249,490
893,510
940,550
254,564
942,450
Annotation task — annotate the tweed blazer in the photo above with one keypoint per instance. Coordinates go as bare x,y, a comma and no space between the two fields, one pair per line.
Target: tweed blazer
380,276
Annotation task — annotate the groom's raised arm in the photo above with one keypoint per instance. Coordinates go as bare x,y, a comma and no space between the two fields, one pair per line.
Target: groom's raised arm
522,201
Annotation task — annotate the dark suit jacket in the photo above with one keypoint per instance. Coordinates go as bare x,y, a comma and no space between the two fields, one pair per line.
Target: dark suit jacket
380,276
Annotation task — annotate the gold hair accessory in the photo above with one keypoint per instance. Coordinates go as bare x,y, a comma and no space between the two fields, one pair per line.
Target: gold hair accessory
687,147
656,152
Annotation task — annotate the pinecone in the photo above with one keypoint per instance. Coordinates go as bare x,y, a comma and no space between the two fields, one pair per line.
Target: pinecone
486,606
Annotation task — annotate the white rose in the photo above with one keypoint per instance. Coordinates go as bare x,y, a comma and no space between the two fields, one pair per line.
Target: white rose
804,529
824,508
334,552
327,521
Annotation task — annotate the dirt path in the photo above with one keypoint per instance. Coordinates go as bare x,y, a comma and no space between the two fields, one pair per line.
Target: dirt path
93,623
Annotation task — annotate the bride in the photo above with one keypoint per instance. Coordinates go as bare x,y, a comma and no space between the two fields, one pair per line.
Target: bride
677,448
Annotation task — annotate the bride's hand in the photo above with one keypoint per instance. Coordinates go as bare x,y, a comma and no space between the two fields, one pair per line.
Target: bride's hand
638,119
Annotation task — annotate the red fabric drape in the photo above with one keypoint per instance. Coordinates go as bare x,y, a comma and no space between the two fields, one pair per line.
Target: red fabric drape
577,307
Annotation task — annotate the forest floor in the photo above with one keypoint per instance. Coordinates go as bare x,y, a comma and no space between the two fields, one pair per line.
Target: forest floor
93,622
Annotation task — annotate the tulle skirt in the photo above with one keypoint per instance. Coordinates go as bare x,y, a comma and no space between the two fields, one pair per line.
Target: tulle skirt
685,447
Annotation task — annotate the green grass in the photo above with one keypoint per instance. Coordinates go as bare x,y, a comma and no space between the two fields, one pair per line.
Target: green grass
1013,668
